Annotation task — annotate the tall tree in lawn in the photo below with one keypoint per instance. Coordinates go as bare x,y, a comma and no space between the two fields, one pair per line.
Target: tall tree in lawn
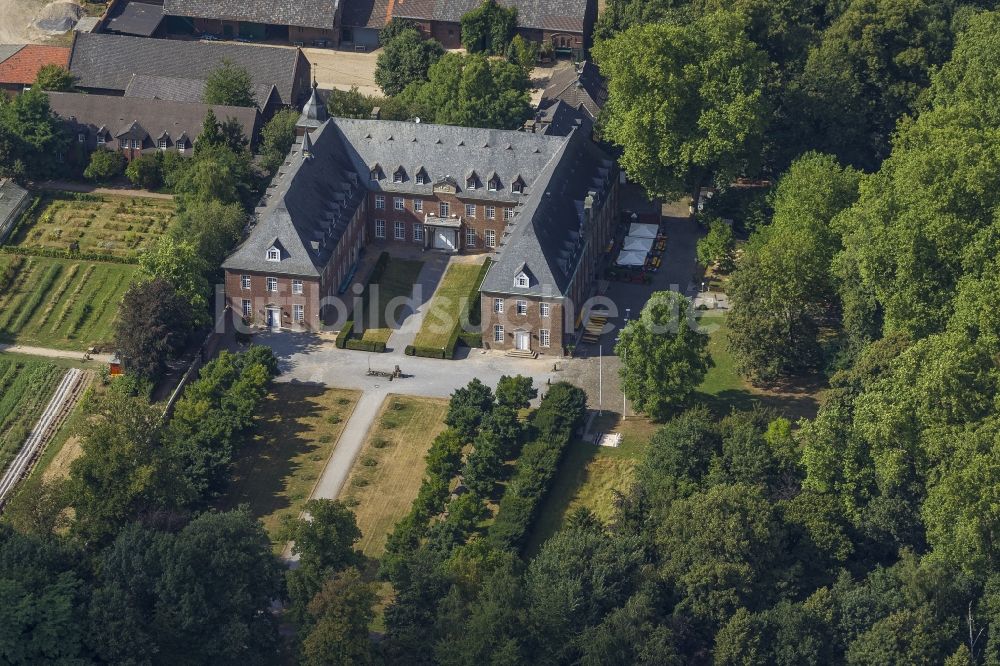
324,543
32,139
212,227
153,326
686,102
123,473
870,68
664,356
716,247
44,597
405,59
277,137
472,91
179,263
783,291
54,78
467,408
342,610
231,85
488,28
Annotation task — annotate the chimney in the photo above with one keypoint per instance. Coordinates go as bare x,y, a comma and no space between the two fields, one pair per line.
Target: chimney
376,113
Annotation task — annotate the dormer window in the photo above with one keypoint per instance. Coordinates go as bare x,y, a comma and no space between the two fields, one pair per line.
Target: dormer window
472,182
422,178
495,184
521,280
517,187
399,175
100,139
161,143
273,254
377,173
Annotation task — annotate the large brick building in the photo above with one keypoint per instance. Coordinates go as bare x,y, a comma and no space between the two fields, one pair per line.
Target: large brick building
543,205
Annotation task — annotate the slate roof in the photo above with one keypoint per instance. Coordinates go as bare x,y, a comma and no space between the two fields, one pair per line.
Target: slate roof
305,13
311,201
314,111
560,119
136,18
578,87
12,196
546,238
118,114
551,15
184,90
109,61
7,50
306,210
446,150
23,61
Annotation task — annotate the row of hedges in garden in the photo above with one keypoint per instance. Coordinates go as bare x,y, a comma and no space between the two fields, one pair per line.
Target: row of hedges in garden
470,313
344,339
425,352
54,253
560,413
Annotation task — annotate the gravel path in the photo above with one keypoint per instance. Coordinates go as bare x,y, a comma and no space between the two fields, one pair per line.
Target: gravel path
55,353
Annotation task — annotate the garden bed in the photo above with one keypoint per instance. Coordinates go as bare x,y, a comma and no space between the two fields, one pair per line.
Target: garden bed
456,299
394,278
106,226
60,303
25,389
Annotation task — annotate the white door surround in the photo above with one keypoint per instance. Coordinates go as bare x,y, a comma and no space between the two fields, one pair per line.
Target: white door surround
522,340
273,318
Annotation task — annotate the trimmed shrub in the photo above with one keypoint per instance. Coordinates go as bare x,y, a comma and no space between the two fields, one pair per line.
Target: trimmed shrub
104,165
344,334
364,345
560,413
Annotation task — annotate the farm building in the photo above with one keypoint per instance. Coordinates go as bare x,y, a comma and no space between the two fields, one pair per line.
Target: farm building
136,126
14,200
19,64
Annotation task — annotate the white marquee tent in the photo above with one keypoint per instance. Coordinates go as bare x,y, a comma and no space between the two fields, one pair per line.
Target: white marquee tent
631,258
637,244
643,230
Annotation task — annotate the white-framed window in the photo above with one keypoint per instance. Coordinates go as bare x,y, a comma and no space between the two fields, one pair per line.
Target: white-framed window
498,305
491,238
470,210
399,176
100,139
297,286
491,213
247,307
379,228
422,178
299,312
472,182
521,280
418,205
399,230
517,187
397,203
498,333
245,281
272,284
522,307
470,238
508,213
444,209
543,309
161,144
81,137
543,337
182,146
273,254
376,173
379,202
136,144
495,184
418,232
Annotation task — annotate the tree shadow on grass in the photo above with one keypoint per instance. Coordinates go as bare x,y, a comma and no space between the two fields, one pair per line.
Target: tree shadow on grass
792,405
265,465
571,476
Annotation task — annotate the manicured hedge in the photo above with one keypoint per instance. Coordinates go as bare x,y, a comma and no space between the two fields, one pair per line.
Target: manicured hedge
425,352
561,412
344,340
474,340
55,253
365,345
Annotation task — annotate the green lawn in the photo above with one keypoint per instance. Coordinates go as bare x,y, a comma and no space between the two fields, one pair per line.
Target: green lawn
101,224
387,474
458,289
297,430
724,390
590,475
397,280
60,303
25,389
